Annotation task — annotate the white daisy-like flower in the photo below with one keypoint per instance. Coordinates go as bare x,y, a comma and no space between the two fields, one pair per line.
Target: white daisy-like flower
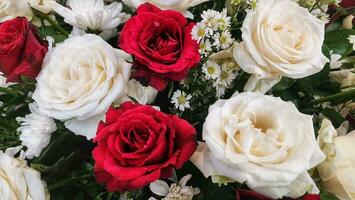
211,69
205,47
210,18
36,129
177,191
351,39
226,78
200,31
224,21
93,15
223,40
220,89
181,100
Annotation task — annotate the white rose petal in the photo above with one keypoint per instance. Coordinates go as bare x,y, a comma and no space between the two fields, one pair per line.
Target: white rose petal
143,95
18,181
10,9
338,170
280,38
79,81
260,140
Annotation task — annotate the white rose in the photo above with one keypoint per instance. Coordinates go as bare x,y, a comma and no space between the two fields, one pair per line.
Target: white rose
338,170
280,38
18,181
10,9
141,94
80,79
179,5
262,141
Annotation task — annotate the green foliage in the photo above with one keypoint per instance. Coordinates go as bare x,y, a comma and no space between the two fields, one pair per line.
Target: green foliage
14,102
337,41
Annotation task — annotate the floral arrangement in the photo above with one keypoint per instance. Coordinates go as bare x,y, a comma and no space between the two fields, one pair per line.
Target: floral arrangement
177,99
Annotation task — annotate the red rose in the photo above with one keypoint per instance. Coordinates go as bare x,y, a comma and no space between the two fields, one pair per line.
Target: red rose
311,197
21,51
162,44
347,3
138,145
242,194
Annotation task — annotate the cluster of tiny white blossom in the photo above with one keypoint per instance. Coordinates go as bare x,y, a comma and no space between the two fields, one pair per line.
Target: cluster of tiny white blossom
213,32
222,73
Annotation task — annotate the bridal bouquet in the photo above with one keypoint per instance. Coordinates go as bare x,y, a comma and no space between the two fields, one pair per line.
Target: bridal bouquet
177,99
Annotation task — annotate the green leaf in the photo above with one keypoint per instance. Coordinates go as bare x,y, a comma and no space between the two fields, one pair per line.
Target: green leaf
338,40
334,116
324,195
284,84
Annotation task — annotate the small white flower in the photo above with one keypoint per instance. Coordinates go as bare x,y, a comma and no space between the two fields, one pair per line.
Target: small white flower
351,39
226,78
181,100
36,129
334,61
205,47
224,21
200,31
93,15
223,40
177,191
220,89
210,18
211,70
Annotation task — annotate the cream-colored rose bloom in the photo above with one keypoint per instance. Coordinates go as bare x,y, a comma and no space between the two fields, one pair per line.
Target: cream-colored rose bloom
79,81
18,181
280,38
262,141
10,9
338,170
179,5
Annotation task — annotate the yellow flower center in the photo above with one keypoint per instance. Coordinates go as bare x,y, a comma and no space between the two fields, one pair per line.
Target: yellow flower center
211,70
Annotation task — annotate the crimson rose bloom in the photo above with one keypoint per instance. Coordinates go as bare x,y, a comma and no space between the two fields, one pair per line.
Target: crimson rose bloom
347,3
21,50
162,44
138,145
242,194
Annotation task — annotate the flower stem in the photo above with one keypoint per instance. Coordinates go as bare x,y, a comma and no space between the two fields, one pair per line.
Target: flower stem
314,6
51,21
346,94
68,181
